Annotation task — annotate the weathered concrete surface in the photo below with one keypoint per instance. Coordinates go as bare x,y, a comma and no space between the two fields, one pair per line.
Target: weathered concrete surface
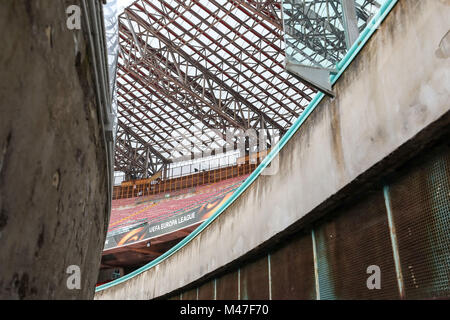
53,191
396,93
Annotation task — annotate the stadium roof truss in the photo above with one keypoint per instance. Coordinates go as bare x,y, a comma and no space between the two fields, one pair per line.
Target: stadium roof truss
318,34
191,71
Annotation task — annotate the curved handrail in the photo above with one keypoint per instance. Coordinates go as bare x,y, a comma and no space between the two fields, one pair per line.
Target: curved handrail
351,54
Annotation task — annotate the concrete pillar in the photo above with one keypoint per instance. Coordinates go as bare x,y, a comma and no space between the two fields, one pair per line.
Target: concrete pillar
53,174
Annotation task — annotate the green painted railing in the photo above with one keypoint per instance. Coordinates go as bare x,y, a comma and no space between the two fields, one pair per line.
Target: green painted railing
351,54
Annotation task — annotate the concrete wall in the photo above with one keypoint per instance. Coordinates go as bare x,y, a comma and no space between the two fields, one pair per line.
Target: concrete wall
390,103
329,259
53,186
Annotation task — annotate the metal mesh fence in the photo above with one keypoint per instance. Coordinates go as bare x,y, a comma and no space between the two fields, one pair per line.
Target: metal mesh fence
421,210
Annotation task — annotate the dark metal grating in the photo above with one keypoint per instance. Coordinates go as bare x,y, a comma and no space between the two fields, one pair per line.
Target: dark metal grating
190,295
353,240
227,286
292,270
206,291
420,203
254,281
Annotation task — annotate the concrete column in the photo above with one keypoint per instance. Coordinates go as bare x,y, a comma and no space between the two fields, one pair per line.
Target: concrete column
53,174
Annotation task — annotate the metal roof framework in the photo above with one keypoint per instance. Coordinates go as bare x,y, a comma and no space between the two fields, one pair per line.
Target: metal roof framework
318,33
193,72
315,33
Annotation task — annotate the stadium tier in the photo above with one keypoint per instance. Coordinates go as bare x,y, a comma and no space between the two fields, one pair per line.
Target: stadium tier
142,218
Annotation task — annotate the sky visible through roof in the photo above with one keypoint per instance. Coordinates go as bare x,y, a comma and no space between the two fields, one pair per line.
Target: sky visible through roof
122,4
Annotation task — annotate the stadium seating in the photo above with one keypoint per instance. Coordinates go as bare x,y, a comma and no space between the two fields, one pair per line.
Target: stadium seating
129,211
